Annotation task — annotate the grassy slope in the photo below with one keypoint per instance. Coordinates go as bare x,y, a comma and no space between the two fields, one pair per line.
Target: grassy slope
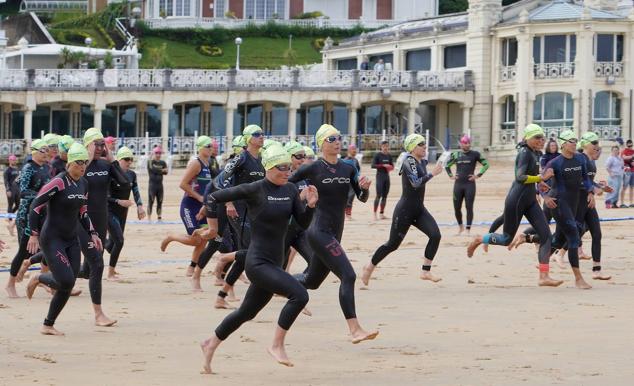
254,53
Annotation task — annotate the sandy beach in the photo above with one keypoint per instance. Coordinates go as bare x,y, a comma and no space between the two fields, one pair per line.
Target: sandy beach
485,323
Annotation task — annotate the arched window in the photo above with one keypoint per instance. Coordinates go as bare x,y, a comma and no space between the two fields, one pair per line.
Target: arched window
508,113
606,115
553,111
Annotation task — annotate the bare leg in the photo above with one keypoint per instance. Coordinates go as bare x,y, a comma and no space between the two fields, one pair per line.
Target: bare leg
473,245
221,303
198,248
10,287
277,349
426,275
209,347
192,240
32,285
101,319
579,281
112,274
367,273
291,257
598,275
460,229
196,287
358,333
23,269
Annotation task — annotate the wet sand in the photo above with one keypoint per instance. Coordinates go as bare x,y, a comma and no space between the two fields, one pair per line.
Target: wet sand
485,323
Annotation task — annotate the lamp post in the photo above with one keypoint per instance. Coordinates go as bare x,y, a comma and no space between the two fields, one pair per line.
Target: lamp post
88,43
238,41
290,42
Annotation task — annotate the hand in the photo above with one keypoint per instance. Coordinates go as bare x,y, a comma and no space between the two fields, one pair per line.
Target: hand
550,202
473,177
437,169
9,194
454,177
140,212
201,214
109,156
591,202
200,198
364,183
388,167
548,174
311,196
3,245
33,245
231,210
543,187
91,151
97,242
164,171
125,203
608,189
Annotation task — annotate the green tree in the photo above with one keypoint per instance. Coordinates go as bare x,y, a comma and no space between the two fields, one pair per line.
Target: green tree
159,57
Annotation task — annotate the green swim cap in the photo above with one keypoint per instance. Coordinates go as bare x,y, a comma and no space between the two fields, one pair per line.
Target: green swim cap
566,136
309,151
51,139
411,141
65,142
92,135
532,130
324,132
275,155
270,142
238,144
38,144
124,152
77,152
587,138
249,131
203,141
293,147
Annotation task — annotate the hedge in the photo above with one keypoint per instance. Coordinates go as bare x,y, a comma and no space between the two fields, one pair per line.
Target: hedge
209,50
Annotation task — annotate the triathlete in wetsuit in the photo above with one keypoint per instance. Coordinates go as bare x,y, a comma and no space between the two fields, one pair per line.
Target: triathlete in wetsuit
333,178
410,209
383,164
156,168
66,198
12,189
521,201
118,204
465,179
271,203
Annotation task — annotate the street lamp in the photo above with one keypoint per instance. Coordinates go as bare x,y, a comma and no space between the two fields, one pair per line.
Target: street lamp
88,43
238,41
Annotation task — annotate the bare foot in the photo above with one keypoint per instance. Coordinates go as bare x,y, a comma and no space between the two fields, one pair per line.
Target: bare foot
473,245
307,312
519,239
244,279
279,354
222,304
361,335
581,284
165,242
219,282
23,269
33,283
597,275
583,256
190,271
231,296
11,292
75,292
426,275
104,321
112,277
196,284
50,330
549,282
366,275
460,230
208,353
383,217
375,218
559,259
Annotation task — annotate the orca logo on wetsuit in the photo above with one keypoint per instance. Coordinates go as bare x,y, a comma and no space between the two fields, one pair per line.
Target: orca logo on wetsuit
573,169
256,174
80,196
103,173
336,180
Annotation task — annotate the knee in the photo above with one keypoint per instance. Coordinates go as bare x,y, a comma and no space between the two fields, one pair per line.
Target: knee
435,237
349,277
66,283
300,298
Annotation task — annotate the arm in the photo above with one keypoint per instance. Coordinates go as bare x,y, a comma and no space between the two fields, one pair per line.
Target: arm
232,169
193,168
302,213
484,163
302,173
240,192
117,173
410,168
47,192
84,219
135,192
452,161
375,162
25,181
7,186
362,194
587,182
521,169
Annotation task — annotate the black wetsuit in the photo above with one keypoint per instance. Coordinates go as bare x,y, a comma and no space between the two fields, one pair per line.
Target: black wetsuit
12,188
118,215
269,208
352,161
463,188
324,234
58,165
66,200
155,188
571,175
32,178
296,235
410,210
98,175
589,218
382,178
522,201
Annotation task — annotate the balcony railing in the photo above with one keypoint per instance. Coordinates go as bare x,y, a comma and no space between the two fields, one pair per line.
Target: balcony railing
508,133
210,22
53,5
607,132
554,70
163,80
605,69
508,73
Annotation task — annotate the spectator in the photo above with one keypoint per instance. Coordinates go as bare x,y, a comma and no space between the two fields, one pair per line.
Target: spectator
628,179
365,64
352,160
614,166
379,67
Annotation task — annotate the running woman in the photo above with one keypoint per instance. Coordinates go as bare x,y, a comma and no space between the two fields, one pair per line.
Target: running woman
310,155
522,201
351,158
66,198
58,164
52,140
197,176
101,169
271,203
156,169
118,204
464,187
333,179
410,209
35,174
12,190
383,164
570,174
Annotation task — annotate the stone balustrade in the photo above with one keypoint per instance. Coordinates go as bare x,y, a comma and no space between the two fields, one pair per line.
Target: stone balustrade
607,132
605,69
347,80
210,22
554,70
508,73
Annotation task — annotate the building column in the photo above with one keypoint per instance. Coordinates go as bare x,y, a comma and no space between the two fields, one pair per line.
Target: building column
466,119
229,124
496,121
411,119
625,117
96,118
292,123
165,127
28,126
352,124
576,109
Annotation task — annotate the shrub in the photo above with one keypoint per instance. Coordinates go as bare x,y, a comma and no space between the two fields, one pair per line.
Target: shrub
318,44
309,15
209,50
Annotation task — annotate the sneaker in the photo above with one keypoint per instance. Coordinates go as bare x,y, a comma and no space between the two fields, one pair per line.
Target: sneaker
631,205
623,206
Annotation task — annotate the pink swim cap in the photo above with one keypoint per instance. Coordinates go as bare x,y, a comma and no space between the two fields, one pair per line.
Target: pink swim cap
109,139
13,158
465,140
214,143
157,150
352,146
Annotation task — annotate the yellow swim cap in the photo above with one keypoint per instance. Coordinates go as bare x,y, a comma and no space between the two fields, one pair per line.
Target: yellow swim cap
92,135
124,152
324,132
65,142
275,155
532,130
293,147
248,132
77,152
411,141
